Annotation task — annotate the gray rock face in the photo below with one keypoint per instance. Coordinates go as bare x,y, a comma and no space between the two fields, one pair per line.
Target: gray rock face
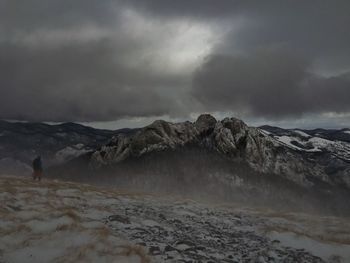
205,123
231,138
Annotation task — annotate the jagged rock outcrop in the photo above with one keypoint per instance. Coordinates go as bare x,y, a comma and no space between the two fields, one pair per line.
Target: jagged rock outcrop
230,137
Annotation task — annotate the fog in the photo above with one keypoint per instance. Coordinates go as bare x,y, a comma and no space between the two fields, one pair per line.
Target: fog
208,177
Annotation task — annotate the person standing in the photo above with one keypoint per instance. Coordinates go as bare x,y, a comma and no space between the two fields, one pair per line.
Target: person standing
37,168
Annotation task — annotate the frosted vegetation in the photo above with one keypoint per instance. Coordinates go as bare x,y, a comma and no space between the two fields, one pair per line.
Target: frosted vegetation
55,221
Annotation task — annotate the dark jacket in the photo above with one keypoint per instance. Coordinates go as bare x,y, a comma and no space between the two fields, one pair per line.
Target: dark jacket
37,165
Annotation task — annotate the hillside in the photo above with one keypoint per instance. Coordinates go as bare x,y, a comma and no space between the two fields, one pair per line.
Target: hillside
55,221
20,142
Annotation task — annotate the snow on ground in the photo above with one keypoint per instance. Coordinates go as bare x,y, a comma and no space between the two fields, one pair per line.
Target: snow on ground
287,140
301,133
315,144
70,152
52,221
301,141
338,148
331,251
265,132
55,222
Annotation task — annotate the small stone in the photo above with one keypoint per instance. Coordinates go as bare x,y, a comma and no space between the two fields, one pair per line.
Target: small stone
154,250
168,248
119,218
161,216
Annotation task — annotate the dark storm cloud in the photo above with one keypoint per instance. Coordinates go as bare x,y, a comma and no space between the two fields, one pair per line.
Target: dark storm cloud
73,61
270,63
86,60
318,29
81,82
269,83
314,29
17,15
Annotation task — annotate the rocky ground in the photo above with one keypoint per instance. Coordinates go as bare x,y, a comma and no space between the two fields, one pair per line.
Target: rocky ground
52,221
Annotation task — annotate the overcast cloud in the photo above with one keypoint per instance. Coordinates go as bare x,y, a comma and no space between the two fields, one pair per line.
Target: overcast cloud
108,60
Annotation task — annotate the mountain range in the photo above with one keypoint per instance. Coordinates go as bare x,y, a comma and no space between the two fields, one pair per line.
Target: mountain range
224,159
21,142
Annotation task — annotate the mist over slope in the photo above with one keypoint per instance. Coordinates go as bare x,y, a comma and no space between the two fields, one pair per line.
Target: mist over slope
219,160
55,221
235,141
21,142
225,160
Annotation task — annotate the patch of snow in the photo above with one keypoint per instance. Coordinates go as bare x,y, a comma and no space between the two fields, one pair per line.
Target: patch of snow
326,251
70,152
40,190
265,132
338,148
150,223
48,225
287,140
68,192
182,246
320,142
303,134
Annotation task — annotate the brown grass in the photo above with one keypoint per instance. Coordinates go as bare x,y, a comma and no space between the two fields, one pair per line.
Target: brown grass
103,232
136,250
66,227
83,251
71,214
18,228
76,254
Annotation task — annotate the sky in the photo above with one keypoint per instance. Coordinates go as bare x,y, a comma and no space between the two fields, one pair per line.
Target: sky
118,63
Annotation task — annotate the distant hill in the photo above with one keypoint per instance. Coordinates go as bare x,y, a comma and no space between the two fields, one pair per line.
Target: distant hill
20,142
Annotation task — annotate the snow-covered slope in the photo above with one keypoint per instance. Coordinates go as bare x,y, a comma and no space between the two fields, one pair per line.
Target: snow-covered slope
309,141
55,221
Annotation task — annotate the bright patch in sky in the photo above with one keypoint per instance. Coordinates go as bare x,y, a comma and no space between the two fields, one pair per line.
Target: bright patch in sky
175,45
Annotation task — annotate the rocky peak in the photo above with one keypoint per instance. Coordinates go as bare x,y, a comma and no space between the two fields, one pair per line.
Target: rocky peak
230,137
234,125
160,126
205,123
